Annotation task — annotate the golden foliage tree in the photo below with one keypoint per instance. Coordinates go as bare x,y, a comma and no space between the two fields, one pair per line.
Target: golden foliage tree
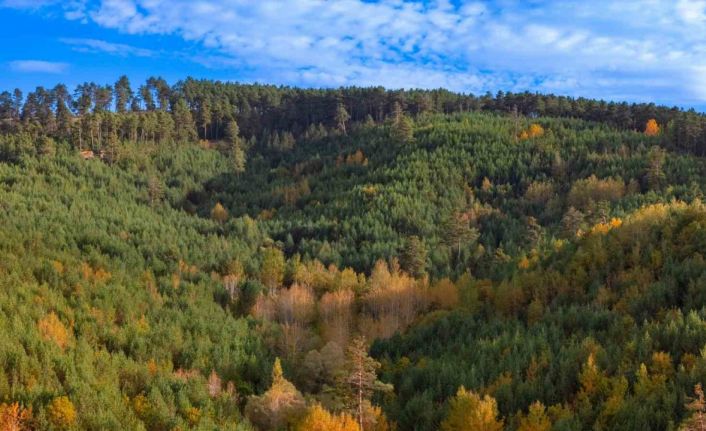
536,419
53,330
280,406
587,192
470,412
295,308
319,419
336,315
652,127
14,418
533,131
219,213
393,301
62,413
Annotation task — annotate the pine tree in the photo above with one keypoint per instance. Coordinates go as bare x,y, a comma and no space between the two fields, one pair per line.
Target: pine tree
185,128
403,130
123,94
414,256
655,175
341,118
155,190
237,152
205,116
272,270
396,113
239,159
360,380
457,231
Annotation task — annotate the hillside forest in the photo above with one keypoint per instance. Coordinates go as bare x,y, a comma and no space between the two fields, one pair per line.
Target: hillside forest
217,256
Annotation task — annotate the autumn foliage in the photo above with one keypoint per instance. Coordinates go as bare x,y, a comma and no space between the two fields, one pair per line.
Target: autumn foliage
319,419
219,213
469,412
62,413
652,128
53,330
533,131
14,417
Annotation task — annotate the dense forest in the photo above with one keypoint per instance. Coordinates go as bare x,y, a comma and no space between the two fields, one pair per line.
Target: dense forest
219,256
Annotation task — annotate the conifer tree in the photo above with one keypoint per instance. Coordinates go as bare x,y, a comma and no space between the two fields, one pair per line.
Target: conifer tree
341,118
237,152
183,122
414,256
360,380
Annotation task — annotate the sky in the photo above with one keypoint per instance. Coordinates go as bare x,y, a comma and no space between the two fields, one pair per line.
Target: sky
636,51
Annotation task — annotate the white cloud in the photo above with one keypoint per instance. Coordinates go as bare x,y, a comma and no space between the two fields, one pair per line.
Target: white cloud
692,11
26,4
567,45
96,45
38,66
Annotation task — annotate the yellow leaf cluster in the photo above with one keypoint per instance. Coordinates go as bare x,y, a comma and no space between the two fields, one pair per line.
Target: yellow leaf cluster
604,228
652,128
95,275
192,415
51,329
536,419
533,131
470,412
14,418
319,419
141,406
219,213
62,413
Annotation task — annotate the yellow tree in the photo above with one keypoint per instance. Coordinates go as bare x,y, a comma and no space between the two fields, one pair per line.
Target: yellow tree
535,131
62,413
14,418
652,128
52,329
470,412
281,405
219,214
536,419
319,419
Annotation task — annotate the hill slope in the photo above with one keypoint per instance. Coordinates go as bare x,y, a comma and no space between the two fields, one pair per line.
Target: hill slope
531,259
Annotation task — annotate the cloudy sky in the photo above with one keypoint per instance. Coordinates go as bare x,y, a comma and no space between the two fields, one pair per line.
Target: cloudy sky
649,50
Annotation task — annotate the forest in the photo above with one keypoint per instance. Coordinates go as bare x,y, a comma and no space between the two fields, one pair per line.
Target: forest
218,256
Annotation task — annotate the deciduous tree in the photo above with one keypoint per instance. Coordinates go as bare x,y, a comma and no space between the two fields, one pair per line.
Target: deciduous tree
469,412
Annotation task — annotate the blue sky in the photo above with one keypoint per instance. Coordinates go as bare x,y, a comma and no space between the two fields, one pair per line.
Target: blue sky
648,50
